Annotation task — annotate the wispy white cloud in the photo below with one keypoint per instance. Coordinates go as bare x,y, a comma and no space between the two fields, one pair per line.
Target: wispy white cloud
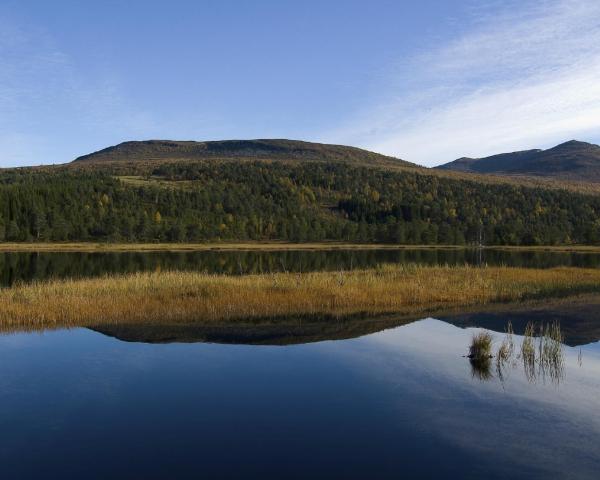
47,103
524,77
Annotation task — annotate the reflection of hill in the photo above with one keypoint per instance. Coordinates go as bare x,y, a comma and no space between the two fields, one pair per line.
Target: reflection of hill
579,318
271,332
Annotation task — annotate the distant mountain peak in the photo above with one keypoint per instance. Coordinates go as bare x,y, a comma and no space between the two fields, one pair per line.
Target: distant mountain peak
574,145
571,160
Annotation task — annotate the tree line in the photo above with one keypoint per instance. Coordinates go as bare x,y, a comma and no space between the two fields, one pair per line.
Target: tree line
294,201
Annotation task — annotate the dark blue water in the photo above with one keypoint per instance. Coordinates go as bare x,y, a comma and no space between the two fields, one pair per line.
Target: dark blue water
28,266
400,403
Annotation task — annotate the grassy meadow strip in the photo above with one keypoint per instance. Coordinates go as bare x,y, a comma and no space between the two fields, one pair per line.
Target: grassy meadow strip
196,297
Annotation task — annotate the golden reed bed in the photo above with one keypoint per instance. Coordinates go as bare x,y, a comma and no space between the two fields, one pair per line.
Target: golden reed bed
186,297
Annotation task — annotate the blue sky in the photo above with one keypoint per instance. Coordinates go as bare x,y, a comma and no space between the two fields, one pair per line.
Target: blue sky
426,81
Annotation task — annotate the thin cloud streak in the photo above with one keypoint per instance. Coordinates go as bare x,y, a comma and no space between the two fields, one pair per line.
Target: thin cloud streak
38,81
525,78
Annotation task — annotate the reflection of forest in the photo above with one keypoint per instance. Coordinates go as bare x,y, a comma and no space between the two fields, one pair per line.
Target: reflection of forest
27,266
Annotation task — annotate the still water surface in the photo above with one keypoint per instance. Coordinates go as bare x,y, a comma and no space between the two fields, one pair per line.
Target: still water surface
28,266
397,403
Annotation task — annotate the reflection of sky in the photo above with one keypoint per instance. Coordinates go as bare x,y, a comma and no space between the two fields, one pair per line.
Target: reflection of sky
540,424
398,401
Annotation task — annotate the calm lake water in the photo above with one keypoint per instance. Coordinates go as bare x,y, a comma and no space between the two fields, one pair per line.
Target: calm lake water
27,266
396,403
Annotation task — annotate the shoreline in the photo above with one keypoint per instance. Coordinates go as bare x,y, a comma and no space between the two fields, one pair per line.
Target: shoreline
272,246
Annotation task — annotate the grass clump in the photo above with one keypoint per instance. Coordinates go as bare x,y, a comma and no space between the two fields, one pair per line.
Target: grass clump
481,345
480,355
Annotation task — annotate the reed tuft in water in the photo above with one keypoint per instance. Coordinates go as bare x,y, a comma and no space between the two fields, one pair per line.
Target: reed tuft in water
480,355
481,345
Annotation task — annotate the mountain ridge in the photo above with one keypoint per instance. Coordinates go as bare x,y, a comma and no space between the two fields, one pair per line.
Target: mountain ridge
275,149
571,160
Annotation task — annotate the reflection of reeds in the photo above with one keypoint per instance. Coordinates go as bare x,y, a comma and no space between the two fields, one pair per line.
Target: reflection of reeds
528,351
505,352
544,362
191,297
507,347
549,360
481,368
551,357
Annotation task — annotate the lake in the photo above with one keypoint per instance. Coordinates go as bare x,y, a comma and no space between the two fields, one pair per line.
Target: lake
28,266
367,398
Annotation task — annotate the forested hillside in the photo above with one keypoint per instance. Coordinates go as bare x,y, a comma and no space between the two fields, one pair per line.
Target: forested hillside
295,201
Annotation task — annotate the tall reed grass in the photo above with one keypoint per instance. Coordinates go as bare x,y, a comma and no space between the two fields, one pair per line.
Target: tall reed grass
546,361
195,297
